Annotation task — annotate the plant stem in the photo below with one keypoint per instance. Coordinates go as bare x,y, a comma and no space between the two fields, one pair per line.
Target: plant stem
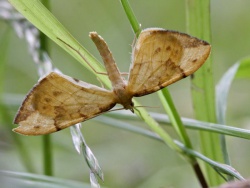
174,116
168,104
47,156
180,129
47,148
198,24
131,16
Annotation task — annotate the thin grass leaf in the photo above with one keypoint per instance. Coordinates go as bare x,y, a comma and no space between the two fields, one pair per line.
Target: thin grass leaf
28,180
3,56
240,69
174,117
131,17
76,138
164,94
190,124
203,94
5,116
38,15
207,126
222,168
222,91
244,69
142,112
46,139
94,181
38,48
82,147
169,105
15,99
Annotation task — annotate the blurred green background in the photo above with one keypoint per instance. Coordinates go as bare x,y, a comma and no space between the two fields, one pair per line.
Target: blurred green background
128,160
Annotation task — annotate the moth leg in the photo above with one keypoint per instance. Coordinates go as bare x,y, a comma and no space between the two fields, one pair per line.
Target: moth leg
134,41
82,56
124,73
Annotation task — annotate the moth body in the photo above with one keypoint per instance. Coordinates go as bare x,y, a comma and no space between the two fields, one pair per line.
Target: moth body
118,83
159,58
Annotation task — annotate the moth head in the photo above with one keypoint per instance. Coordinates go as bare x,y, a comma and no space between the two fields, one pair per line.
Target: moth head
132,107
129,106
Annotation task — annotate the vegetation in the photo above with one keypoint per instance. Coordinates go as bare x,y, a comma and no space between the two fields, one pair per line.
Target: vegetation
127,159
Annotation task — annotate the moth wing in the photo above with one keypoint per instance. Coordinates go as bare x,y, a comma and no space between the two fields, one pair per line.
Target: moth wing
58,101
161,57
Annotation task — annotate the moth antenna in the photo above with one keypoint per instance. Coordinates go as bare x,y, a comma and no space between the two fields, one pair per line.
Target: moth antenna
146,107
82,56
116,109
132,110
124,73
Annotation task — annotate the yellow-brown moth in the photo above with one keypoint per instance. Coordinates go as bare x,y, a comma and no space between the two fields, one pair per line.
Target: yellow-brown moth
159,58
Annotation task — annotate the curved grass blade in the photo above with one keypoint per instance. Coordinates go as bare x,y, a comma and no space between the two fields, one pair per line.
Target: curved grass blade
240,69
168,105
222,168
190,124
28,180
44,20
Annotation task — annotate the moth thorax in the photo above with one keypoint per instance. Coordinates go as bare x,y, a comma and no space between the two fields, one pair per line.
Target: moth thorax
124,98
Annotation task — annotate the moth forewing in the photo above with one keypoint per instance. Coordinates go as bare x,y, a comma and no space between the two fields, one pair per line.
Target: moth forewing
59,101
161,57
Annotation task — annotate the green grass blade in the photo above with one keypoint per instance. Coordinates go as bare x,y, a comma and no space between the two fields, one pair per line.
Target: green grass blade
222,91
131,17
143,114
241,69
198,25
14,100
244,69
46,139
128,127
164,94
174,117
222,168
38,15
170,109
28,180
4,41
191,124
5,115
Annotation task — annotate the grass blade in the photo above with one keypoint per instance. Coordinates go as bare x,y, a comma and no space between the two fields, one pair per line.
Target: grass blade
222,168
170,108
131,16
203,94
28,180
191,124
241,69
38,15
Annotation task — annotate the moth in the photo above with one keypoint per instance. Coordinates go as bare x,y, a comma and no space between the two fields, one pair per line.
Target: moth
159,58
